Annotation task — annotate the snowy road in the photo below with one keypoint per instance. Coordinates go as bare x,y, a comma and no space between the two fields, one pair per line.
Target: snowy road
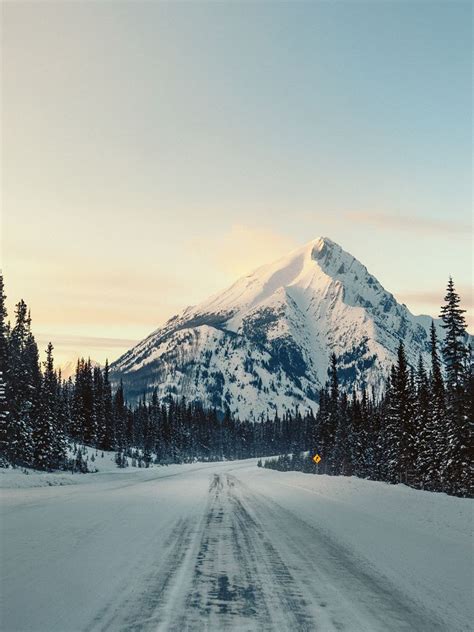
228,547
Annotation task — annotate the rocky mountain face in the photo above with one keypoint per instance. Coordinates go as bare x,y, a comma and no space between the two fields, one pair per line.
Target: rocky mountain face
263,345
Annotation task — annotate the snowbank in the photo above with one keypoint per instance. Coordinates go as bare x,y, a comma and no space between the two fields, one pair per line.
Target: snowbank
19,478
421,541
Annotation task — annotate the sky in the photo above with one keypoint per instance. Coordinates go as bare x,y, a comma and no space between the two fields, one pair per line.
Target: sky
152,153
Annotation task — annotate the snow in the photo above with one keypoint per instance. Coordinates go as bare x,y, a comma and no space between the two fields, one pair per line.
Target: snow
420,541
21,478
229,546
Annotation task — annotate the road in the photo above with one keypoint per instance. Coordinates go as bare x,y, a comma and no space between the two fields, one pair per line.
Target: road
205,547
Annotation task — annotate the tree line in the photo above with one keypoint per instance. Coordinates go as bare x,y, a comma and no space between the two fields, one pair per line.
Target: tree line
418,433
41,415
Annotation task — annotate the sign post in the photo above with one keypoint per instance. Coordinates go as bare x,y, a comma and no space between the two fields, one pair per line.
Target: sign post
316,460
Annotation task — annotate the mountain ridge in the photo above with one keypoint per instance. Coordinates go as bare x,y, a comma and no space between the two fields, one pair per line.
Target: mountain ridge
263,344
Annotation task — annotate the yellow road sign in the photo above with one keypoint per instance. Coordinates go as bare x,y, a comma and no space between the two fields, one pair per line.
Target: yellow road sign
316,458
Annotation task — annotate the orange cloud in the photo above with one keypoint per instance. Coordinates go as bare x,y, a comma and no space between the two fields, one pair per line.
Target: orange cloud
242,249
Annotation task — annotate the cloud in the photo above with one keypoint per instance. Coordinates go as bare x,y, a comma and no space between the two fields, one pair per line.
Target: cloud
242,249
97,342
69,347
430,301
401,222
436,298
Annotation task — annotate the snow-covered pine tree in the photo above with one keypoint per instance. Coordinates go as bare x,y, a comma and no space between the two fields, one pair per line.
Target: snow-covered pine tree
378,472
426,456
457,470
23,387
90,422
148,437
84,426
3,375
64,396
355,446
431,461
399,430
321,439
368,436
331,465
120,418
99,407
341,453
109,438
48,440
454,345
77,423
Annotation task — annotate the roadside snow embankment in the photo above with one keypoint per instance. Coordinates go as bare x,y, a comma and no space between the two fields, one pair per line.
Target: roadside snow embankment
102,467
420,541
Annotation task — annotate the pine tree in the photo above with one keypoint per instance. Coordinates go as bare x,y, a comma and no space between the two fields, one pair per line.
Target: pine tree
341,454
454,348
399,426
366,437
109,435
90,421
64,398
120,418
148,437
99,407
356,447
48,441
4,408
23,387
84,421
76,429
431,460
331,465
321,440
378,441
424,430
457,361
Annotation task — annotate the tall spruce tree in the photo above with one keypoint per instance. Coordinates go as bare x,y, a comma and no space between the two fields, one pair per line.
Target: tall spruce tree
109,434
454,345
366,437
432,461
426,457
120,418
98,407
333,418
23,387
457,361
399,427
76,426
356,444
48,439
4,408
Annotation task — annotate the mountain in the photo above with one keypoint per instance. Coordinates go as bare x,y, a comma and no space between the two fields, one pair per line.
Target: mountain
264,344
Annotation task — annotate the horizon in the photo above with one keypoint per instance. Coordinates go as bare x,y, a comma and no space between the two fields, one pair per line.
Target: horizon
70,360
161,151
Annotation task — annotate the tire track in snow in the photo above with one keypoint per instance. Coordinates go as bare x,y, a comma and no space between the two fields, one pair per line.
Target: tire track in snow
239,582
140,611
247,564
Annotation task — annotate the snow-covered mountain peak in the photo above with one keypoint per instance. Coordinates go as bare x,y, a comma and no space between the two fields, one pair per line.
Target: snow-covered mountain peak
263,344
